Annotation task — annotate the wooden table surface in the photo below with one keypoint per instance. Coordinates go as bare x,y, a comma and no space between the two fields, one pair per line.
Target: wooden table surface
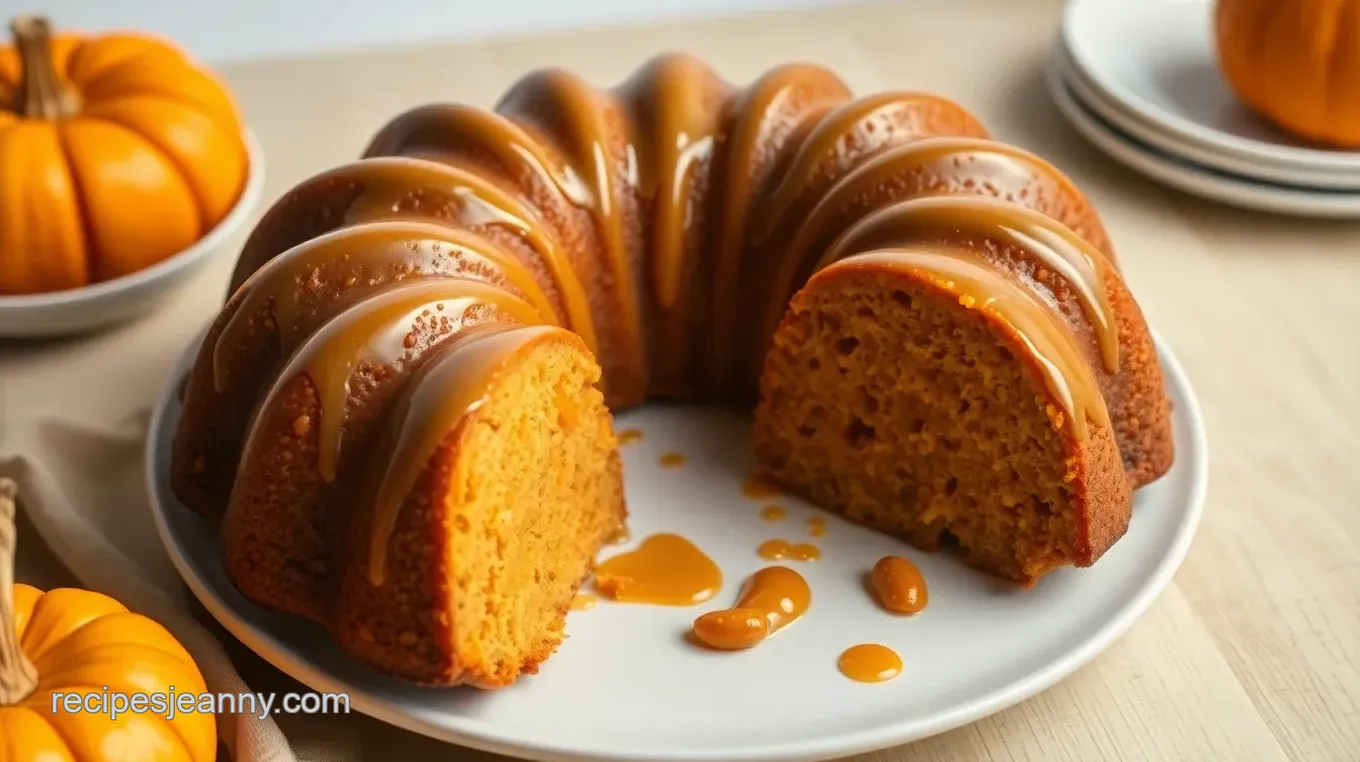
1254,651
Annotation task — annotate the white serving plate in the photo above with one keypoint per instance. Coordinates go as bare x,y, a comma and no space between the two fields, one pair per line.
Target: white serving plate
1124,119
1158,58
78,310
627,686
1195,179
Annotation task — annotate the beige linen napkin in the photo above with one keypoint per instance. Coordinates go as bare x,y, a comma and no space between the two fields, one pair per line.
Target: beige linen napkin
73,418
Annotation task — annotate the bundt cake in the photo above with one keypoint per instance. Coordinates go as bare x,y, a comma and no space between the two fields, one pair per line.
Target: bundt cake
401,415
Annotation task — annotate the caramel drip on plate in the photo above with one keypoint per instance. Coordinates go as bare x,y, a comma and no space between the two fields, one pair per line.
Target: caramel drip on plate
773,513
852,131
759,488
377,329
759,103
363,255
445,389
672,460
1046,240
783,550
629,436
870,663
675,131
451,126
665,570
772,599
979,287
557,97
582,602
387,181
899,585
816,526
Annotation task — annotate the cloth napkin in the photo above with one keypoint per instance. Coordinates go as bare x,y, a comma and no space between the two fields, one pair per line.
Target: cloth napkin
73,420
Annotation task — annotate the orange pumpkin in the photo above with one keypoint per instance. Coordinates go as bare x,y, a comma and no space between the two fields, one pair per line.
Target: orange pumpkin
1296,62
115,152
76,641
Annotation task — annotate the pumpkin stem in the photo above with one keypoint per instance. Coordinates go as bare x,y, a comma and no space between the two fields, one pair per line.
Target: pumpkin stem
40,94
18,677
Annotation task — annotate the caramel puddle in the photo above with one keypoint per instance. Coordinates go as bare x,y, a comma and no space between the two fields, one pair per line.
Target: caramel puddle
899,586
870,663
783,550
772,599
758,488
773,513
665,570
816,526
672,460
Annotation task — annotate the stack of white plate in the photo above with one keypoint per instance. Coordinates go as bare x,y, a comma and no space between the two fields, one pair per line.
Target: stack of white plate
1141,81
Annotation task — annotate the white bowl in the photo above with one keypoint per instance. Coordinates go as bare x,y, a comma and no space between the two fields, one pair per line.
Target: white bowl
77,310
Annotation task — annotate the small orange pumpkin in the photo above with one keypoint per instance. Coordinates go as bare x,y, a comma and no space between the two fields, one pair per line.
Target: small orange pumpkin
76,641
1295,62
115,153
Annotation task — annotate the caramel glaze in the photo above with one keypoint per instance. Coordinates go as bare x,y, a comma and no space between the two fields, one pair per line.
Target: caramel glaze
772,599
582,602
572,198
773,513
770,115
944,166
672,460
854,132
759,488
899,586
816,526
665,570
980,287
590,130
783,550
481,203
364,257
448,387
629,436
380,329
1009,236
870,663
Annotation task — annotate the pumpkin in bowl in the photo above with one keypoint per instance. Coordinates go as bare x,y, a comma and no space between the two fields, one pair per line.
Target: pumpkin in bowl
115,152
1295,62
77,642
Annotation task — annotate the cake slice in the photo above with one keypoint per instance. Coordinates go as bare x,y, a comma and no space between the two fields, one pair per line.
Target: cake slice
493,482
932,395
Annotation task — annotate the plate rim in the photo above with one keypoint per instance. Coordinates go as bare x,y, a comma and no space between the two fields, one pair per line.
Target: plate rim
1196,180
310,675
1188,128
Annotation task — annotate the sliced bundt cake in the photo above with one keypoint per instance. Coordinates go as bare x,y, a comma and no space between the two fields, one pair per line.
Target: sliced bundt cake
399,416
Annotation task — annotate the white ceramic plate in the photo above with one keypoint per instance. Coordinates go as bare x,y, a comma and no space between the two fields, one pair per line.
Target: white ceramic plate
1195,179
1119,116
627,687
1158,58
77,310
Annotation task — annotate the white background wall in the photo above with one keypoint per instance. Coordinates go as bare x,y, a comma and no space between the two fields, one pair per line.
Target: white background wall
226,30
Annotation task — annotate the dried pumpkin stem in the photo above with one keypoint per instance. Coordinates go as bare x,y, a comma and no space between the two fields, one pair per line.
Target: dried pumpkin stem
18,677
40,94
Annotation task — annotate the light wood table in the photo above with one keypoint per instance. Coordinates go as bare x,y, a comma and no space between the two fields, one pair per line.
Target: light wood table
1254,651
